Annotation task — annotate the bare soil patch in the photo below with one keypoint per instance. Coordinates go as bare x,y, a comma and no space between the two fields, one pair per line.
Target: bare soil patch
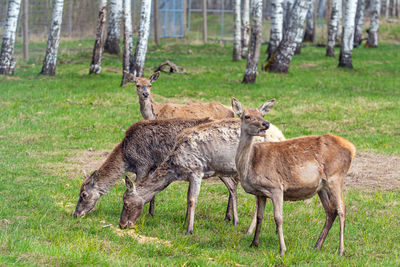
369,172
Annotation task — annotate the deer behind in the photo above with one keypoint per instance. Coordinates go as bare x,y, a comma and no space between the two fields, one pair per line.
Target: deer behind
151,109
295,169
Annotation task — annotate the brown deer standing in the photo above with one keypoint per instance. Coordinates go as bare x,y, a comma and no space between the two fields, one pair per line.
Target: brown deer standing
151,110
295,169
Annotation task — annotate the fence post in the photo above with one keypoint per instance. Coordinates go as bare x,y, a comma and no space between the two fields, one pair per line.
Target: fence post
26,30
204,7
155,22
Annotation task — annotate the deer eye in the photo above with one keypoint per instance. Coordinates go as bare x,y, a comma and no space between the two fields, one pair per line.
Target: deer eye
247,117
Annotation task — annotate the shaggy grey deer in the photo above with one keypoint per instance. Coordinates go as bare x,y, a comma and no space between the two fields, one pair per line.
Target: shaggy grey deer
200,152
295,169
145,145
151,110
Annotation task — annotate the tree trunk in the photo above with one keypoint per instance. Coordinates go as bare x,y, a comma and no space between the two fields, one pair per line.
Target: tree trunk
26,30
250,73
50,60
288,4
128,45
236,31
339,22
155,23
69,18
114,28
372,40
359,22
346,47
309,34
276,32
280,59
7,61
245,28
332,28
386,9
137,61
95,67
204,9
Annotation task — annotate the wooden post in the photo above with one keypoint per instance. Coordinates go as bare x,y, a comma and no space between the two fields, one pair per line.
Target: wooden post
204,7
26,30
155,21
69,19
184,16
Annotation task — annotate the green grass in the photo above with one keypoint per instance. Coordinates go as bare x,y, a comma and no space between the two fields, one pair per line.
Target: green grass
46,120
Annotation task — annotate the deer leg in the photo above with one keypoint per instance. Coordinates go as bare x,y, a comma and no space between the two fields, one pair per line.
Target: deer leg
141,173
252,225
331,213
231,184
193,193
277,201
261,200
341,211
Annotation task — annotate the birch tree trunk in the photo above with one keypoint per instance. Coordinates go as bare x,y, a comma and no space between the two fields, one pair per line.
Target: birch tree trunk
236,31
250,73
204,12
339,22
276,32
346,47
372,40
100,38
309,35
332,28
26,30
128,44
137,61
114,28
50,60
245,27
288,4
359,22
7,61
386,9
280,59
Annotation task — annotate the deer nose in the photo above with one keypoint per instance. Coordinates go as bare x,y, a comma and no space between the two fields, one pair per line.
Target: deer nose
266,124
146,94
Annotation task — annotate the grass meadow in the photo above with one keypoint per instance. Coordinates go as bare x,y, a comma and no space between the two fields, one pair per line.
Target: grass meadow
49,124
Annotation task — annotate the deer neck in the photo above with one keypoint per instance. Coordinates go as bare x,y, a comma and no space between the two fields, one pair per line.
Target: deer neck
147,108
156,182
243,153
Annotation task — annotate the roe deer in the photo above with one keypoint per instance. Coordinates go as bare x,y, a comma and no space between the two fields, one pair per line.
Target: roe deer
145,145
151,110
200,152
295,169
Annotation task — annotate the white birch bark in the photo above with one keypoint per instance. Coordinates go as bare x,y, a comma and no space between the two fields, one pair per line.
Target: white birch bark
98,48
332,28
50,60
280,59
339,22
276,32
387,2
359,22
138,60
114,28
7,61
236,31
245,27
372,40
288,4
250,73
346,46
128,44
309,35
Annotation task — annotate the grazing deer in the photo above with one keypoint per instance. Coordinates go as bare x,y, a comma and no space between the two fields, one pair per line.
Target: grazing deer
295,169
145,145
151,110
200,152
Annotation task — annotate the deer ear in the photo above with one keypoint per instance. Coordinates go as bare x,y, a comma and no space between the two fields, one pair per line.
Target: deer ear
154,77
237,107
129,185
267,106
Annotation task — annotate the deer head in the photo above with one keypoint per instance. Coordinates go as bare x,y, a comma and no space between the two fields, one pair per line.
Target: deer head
133,206
143,85
88,196
252,120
